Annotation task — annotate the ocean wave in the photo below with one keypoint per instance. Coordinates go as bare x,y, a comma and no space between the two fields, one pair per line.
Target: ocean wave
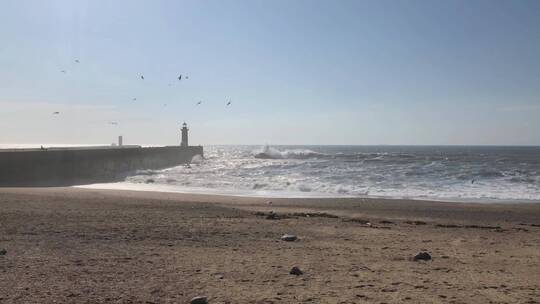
356,171
268,152
197,159
490,173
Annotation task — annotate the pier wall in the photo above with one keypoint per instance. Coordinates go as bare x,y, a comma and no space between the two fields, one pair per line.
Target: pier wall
77,166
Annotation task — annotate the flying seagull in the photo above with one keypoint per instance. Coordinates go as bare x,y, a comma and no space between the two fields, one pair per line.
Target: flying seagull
198,103
229,103
63,71
114,123
77,61
180,77
56,113
134,99
142,77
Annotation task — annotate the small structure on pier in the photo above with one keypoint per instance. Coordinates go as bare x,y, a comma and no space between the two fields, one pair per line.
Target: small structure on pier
185,130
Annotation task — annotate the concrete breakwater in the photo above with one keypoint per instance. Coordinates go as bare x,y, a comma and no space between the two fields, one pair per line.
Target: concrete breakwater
86,165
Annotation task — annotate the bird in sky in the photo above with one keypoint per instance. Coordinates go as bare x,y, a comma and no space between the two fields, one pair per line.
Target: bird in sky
180,77
198,103
56,113
134,99
63,71
114,123
77,61
142,77
229,103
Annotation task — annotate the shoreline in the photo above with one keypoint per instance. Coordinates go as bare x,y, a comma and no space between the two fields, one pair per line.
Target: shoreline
292,195
344,206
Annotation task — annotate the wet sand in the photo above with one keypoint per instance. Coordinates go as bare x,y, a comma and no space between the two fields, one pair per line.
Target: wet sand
69,245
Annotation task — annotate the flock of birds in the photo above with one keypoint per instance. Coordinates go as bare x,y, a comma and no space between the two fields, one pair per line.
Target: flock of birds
180,77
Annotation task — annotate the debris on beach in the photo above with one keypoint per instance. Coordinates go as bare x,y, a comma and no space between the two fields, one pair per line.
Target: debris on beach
219,276
468,226
358,220
417,223
296,271
272,216
315,214
278,216
199,300
289,237
422,256
3,252
150,181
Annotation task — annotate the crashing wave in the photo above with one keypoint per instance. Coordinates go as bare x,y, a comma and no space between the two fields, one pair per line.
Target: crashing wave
268,152
197,159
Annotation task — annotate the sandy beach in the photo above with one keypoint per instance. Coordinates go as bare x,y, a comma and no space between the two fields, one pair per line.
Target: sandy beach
70,245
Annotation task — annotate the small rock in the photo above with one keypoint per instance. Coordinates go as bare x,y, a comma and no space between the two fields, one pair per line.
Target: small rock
422,256
199,300
289,237
296,271
272,216
3,252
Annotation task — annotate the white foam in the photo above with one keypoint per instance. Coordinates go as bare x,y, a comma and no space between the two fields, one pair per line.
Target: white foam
273,153
208,191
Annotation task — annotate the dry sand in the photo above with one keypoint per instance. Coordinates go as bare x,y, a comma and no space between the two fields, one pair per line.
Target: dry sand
68,245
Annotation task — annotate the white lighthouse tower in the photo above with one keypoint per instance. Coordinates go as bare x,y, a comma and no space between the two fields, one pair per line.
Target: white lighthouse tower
185,130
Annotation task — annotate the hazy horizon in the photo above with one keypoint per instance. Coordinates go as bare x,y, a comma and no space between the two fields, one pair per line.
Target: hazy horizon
297,73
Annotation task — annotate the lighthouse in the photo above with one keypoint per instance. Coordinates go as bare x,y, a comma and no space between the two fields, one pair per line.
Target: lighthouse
185,130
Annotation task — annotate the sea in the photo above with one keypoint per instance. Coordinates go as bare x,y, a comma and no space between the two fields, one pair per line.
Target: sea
447,173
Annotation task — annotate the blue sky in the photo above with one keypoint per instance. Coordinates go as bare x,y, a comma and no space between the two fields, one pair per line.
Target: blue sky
297,72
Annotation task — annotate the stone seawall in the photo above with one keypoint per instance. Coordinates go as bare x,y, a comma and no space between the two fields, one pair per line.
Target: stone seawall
77,166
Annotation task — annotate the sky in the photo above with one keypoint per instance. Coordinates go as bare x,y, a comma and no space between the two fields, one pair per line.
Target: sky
463,72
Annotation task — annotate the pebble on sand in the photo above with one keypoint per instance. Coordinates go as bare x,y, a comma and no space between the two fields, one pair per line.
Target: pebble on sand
296,271
422,256
3,252
272,216
289,237
199,300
